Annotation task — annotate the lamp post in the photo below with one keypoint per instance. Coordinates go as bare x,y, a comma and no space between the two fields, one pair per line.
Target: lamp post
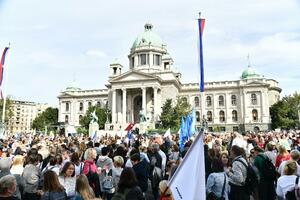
106,111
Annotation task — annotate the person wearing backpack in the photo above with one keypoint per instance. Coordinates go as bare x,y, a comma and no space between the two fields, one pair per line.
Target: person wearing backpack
237,175
287,182
267,173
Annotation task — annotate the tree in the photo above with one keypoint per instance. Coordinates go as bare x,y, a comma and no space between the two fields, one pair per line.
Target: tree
47,118
167,114
284,113
181,109
101,114
171,116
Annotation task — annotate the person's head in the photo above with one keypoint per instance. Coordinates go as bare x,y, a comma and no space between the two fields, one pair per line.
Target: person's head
127,179
8,185
83,187
135,158
175,148
18,160
155,147
104,151
270,146
68,170
225,158
5,164
51,183
217,165
75,158
32,159
164,189
59,159
236,151
52,160
118,161
290,168
257,150
282,150
90,154
295,155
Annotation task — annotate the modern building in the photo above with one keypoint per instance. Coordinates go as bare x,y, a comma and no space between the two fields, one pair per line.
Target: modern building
241,104
24,112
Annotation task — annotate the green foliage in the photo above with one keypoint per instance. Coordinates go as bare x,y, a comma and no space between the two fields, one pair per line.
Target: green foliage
82,130
171,116
8,109
167,114
47,118
101,114
284,113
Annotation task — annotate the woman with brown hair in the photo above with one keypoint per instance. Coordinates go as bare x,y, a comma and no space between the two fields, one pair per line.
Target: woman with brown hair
128,186
52,189
67,179
83,189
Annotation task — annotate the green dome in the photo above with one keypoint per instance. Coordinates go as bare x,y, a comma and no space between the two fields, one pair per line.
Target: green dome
250,73
73,87
148,38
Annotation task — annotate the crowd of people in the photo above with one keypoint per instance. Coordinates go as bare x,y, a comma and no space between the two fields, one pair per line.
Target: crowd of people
250,166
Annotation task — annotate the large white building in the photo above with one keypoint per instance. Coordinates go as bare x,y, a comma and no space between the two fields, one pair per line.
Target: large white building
241,104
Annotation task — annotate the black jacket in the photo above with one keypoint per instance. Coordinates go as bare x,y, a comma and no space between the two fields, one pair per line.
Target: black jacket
141,172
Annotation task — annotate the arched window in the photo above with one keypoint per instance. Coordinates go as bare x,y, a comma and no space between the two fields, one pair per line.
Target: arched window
234,116
67,106
222,116
197,116
67,119
209,116
80,106
98,104
253,99
196,101
254,115
89,103
79,118
208,101
221,100
233,100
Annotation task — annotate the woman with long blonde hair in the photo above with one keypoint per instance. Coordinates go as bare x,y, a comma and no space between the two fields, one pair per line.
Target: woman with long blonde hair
17,165
83,189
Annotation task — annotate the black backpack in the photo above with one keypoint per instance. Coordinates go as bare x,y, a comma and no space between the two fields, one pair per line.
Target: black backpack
251,180
294,194
268,170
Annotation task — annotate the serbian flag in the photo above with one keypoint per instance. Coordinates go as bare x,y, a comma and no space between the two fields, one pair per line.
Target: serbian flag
201,23
2,64
129,127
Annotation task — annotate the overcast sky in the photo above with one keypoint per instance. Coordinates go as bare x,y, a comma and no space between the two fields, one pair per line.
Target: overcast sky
53,41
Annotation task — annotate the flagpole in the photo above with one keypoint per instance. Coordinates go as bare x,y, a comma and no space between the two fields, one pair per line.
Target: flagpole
4,92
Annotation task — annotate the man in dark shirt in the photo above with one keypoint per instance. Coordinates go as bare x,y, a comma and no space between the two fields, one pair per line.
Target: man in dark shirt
141,171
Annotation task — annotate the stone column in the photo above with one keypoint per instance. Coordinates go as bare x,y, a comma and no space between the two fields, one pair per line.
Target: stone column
113,107
124,106
155,102
144,99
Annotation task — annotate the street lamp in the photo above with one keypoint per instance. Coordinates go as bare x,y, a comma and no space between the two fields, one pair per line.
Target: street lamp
106,111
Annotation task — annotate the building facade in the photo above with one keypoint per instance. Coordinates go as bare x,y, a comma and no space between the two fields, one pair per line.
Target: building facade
24,112
236,105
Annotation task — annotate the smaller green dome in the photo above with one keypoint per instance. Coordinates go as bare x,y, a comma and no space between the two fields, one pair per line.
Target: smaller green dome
250,73
148,38
73,87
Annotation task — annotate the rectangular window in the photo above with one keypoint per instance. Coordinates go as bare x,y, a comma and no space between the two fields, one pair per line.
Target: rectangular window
157,59
222,129
132,62
236,128
143,59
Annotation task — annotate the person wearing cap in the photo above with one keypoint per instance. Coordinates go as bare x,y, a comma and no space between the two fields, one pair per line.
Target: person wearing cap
295,155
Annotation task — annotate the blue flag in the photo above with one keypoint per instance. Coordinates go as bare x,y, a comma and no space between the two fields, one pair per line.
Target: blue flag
201,23
182,135
192,124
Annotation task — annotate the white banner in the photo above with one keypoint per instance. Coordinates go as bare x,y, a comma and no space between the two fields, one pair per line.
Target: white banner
188,182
